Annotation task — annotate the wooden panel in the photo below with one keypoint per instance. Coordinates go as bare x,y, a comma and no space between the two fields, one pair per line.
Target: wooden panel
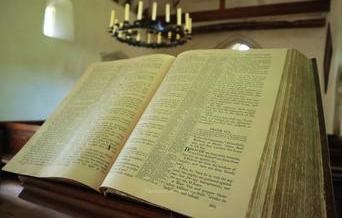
15,136
335,146
18,134
11,206
2,142
261,10
256,25
222,4
70,199
327,58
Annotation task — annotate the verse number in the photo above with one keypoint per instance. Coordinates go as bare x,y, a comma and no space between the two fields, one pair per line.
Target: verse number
212,205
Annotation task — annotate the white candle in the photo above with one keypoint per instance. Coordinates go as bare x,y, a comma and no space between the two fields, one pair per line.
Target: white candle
148,38
159,38
120,28
179,16
177,36
169,35
167,13
187,21
127,12
138,37
154,11
114,29
140,10
190,25
112,18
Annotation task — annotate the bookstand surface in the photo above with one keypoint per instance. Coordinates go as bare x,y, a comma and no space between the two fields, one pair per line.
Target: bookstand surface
81,201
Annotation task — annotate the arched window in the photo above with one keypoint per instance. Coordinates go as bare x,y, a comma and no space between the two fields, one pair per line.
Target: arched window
240,43
241,46
59,19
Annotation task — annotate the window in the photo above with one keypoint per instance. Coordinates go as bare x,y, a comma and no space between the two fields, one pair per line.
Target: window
239,43
58,19
240,46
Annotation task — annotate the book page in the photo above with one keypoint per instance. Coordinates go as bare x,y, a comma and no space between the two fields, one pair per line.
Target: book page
196,150
85,134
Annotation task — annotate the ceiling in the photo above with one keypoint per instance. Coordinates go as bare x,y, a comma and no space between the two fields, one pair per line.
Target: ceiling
268,13
231,9
203,5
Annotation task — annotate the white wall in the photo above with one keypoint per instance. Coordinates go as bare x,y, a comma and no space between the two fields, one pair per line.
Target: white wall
36,71
333,115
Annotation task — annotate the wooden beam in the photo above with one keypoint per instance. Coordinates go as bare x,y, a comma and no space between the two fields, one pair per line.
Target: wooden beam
222,4
257,25
260,10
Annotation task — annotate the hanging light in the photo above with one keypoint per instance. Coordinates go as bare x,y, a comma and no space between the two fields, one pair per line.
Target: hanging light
148,31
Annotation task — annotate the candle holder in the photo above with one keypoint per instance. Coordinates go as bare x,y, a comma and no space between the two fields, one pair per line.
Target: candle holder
156,33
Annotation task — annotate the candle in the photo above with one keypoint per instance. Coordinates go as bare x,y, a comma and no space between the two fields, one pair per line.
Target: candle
120,28
154,11
169,35
187,21
179,16
114,29
112,18
159,38
140,10
190,25
148,38
127,12
138,37
177,36
167,13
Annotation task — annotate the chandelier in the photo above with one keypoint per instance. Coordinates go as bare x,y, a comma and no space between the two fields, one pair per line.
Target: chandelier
148,31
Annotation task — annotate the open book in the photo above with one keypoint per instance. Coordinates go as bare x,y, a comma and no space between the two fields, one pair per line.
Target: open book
211,133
